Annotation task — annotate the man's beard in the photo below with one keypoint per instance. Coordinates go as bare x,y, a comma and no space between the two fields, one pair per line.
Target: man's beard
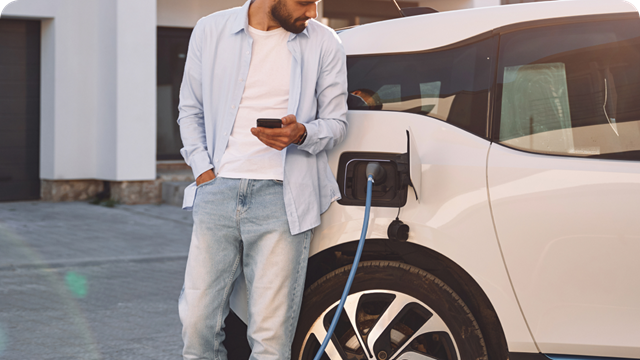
284,18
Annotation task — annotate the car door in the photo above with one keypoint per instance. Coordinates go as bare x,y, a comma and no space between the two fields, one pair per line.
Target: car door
564,181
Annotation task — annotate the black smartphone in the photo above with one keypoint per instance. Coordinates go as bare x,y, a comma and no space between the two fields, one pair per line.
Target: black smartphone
270,123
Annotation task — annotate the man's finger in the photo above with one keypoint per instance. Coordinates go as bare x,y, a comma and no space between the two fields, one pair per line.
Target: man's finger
269,138
264,133
278,145
289,119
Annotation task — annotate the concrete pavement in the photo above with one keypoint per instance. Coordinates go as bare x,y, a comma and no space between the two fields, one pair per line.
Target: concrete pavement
81,281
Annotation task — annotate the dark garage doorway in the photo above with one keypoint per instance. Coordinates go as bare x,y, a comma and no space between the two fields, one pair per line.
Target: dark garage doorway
19,110
172,56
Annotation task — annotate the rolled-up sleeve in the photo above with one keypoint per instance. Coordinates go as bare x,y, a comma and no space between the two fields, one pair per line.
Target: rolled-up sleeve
330,127
191,118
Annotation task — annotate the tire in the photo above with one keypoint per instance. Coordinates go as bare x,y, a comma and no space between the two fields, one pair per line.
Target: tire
401,312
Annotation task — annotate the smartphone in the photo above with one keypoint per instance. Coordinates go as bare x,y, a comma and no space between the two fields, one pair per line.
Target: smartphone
270,123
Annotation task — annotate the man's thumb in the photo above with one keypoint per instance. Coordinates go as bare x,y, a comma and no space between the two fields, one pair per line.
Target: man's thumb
289,119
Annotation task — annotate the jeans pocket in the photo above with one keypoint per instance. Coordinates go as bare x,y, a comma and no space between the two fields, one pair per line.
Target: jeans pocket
207,182
279,182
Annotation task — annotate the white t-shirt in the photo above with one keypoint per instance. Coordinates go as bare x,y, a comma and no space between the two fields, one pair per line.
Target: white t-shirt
266,95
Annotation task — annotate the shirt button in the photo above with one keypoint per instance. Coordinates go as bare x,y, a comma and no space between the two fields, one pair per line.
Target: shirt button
240,80
247,53
233,106
225,134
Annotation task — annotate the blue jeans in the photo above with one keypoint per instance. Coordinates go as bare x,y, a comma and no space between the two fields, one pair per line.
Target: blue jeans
241,225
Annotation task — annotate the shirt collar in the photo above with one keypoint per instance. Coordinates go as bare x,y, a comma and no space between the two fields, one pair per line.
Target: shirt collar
241,22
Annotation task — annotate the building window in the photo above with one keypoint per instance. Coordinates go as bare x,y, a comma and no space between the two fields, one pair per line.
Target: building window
172,55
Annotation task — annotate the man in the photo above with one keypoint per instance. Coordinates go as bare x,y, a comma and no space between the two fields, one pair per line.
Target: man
259,192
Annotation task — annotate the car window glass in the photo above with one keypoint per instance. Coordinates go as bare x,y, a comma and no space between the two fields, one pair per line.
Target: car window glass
389,93
451,85
572,89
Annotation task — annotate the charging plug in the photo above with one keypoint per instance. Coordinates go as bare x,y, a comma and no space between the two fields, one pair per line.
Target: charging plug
377,171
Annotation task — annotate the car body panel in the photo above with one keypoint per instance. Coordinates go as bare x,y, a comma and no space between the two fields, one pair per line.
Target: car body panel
453,216
570,235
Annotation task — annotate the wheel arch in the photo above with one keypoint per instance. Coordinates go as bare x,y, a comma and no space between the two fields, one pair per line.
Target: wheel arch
426,259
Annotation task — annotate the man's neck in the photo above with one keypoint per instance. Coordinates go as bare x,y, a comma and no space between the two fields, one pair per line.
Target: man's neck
259,16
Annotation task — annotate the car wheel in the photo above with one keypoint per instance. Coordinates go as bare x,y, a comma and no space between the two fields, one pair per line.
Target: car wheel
394,311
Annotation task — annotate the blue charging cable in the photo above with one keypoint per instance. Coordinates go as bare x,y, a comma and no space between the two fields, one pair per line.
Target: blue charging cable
373,170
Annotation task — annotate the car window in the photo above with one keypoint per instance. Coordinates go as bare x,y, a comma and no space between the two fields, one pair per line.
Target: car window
451,84
572,89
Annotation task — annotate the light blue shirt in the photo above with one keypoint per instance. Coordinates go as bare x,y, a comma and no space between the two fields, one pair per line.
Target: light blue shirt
214,77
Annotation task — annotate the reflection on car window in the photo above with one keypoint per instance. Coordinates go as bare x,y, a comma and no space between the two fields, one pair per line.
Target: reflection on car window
536,97
450,85
572,89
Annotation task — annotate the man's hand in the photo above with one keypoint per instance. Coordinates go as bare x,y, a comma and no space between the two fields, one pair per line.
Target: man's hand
205,176
290,132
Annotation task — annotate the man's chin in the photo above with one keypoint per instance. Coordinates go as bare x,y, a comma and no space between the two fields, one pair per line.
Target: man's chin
298,26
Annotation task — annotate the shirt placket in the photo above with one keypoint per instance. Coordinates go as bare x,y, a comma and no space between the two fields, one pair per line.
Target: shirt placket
296,75
237,87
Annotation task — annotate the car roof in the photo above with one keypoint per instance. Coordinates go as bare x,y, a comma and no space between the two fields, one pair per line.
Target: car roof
432,31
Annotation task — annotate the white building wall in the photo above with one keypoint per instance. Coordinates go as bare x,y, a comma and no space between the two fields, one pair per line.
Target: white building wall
106,96
136,90
98,117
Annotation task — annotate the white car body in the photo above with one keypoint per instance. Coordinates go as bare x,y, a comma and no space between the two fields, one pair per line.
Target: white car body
552,241
556,294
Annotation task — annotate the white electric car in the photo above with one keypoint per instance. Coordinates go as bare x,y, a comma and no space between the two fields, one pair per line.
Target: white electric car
511,141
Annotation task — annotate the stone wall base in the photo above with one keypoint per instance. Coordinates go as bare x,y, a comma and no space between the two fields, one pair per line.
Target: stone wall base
69,190
137,192
124,192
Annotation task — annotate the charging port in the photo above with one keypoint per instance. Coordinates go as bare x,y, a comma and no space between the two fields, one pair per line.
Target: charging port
389,191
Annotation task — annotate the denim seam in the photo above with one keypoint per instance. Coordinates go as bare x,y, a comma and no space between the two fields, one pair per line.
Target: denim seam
249,197
224,301
245,193
295,300
238,206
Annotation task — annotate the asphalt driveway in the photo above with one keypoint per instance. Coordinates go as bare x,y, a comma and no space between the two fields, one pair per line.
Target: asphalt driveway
81,281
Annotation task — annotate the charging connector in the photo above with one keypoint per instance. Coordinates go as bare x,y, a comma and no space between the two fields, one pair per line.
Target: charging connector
375,170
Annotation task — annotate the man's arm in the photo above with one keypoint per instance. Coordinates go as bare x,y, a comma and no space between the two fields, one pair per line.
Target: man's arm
191,118
331,126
